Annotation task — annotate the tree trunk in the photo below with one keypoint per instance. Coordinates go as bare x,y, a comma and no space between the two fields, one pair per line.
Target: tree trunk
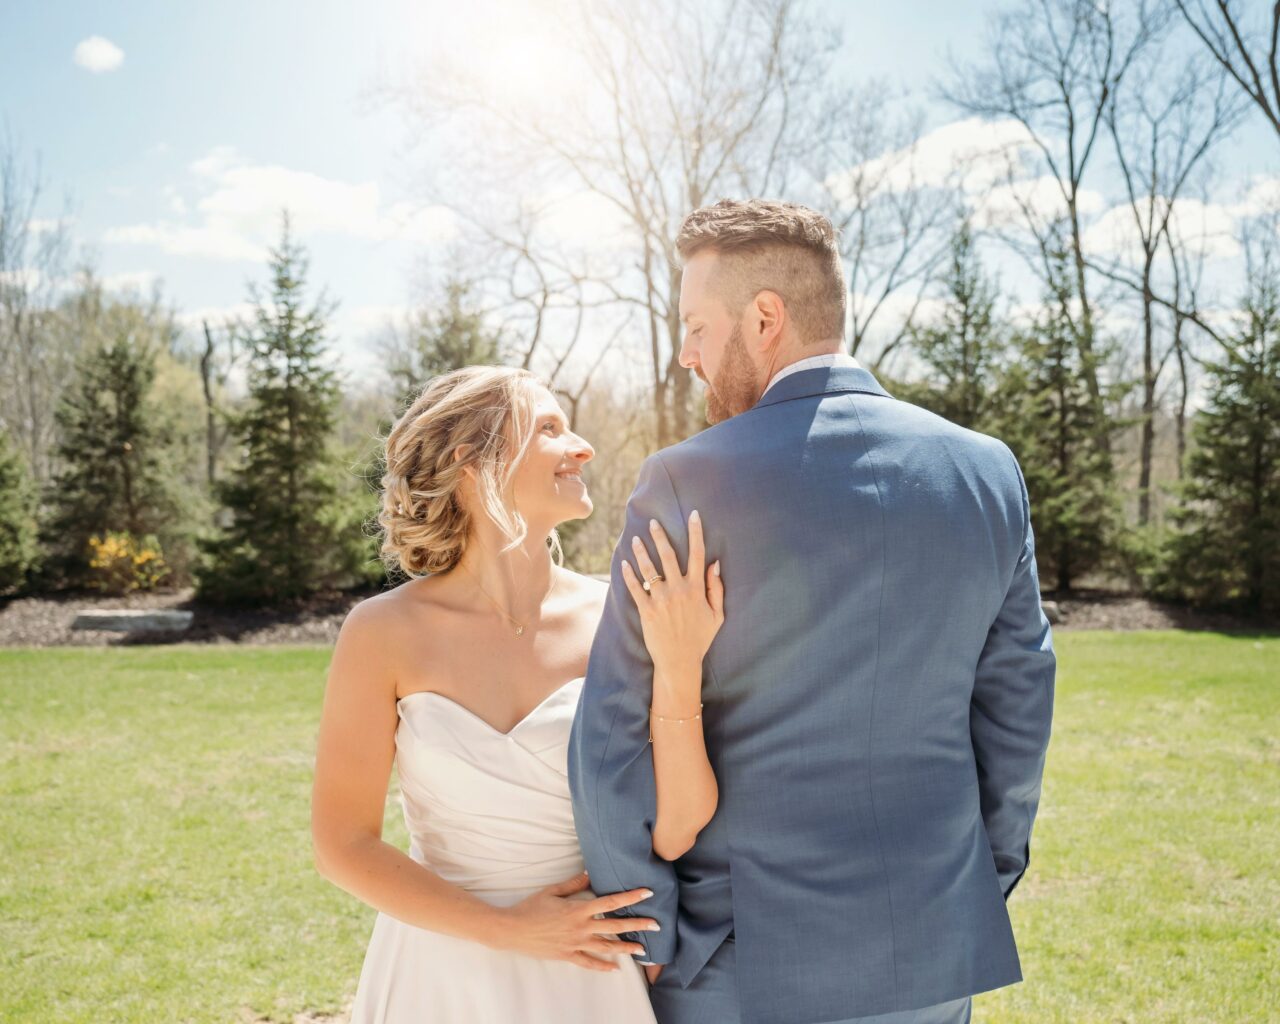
1084,335
1148,399
210,420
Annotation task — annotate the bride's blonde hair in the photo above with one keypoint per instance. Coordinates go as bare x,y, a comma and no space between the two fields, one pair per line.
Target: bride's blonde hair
485,413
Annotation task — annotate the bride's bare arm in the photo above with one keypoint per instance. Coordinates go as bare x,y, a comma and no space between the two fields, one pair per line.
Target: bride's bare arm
680,616
353,766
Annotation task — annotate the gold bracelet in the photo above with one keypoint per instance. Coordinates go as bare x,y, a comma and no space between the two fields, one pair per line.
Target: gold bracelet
662,718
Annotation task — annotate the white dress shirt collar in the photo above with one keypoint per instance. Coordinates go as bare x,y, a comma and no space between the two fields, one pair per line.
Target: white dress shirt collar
828,359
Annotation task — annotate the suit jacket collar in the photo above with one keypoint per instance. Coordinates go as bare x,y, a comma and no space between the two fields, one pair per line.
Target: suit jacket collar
822,380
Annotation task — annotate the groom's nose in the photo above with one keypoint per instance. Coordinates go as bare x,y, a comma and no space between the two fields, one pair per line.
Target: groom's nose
689,354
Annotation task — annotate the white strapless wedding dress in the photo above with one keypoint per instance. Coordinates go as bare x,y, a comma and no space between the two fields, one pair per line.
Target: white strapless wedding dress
490,812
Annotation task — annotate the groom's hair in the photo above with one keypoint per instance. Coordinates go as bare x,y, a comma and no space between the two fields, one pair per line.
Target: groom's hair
766,244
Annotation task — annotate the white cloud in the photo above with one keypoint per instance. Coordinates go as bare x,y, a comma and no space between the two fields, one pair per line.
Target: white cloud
98,55
1262,197
1003,205
359,322
28,278
586,218
217,316
1207,228
130,281
240,204
174,200
45,225
973,154
211,241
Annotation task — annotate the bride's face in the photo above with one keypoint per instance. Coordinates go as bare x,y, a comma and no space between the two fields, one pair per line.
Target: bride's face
548,487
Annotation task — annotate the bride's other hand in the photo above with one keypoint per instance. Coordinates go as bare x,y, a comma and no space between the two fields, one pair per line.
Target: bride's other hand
681,613
552,926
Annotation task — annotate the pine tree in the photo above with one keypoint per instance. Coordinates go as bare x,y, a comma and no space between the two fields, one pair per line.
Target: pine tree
110,476
283,539
962,349
1047,415
1227,550
18,532
438,340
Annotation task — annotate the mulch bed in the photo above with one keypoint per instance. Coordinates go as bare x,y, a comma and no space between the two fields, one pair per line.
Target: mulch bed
46,621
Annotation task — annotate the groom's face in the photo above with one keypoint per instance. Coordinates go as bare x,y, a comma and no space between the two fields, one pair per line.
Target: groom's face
714,344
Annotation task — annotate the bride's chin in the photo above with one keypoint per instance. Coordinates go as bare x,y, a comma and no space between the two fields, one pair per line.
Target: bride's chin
585,508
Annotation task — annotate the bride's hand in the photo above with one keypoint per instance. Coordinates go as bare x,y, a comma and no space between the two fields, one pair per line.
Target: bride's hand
551,926
680,614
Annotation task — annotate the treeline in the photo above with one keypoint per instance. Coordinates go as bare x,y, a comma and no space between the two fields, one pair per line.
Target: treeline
143,487
1021,380
1136,381
160,477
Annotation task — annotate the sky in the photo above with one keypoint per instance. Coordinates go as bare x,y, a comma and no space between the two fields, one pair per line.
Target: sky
172,133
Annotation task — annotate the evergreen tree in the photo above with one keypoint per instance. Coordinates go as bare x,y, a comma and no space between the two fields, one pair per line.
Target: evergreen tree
437,340
18,531
110,476
1044,410
1228,547
964,347
284,537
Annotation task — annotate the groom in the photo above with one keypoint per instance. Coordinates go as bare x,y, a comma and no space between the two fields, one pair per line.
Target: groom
877,702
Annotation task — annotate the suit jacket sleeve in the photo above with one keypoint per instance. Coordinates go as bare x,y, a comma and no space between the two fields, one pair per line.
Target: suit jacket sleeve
1009,715
610,760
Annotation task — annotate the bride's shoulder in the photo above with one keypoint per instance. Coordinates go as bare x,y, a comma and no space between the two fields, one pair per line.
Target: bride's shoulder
384,615
583,589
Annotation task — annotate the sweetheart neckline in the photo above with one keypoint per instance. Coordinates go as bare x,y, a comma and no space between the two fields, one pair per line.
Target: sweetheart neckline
493,729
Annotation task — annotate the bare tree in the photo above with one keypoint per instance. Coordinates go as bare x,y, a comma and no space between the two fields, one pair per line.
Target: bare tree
894,219
36,356
1162,127
217,360
1052,66
1186,260
677,106
1248,56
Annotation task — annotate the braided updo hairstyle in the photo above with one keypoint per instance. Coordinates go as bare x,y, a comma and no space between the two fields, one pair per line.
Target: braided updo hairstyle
487,413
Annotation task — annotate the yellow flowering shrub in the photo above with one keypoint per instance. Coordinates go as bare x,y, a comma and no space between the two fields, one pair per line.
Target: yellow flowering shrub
120,563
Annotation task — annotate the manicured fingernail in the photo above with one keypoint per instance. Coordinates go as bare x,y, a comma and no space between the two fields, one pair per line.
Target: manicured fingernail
716,567
694,517
648,893
653,524
655,927
635,542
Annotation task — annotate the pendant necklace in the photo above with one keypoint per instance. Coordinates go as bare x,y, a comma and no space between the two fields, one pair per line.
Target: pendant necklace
519,626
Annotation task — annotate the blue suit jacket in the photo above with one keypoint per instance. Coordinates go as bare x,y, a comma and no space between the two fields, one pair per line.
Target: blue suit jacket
877,706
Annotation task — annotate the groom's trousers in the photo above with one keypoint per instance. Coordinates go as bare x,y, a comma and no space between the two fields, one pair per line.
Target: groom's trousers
712,998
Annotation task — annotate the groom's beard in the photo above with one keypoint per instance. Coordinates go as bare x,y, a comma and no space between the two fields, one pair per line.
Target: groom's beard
735,389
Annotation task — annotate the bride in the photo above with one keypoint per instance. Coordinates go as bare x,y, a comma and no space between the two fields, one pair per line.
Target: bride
467,677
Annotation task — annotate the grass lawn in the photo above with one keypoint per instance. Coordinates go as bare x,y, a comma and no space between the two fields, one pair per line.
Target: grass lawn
156,863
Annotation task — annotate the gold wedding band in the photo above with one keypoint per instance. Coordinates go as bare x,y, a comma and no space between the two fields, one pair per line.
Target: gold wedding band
648,584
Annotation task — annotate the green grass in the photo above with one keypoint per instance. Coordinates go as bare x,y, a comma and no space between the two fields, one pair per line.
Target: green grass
1153,894
156,861
153,822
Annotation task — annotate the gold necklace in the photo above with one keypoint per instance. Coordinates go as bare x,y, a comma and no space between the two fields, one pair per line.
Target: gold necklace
502,611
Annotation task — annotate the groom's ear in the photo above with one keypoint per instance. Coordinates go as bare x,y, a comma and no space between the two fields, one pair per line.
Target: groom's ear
768,314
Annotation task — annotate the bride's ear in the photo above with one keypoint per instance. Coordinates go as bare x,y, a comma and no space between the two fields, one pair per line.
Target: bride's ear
460,453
